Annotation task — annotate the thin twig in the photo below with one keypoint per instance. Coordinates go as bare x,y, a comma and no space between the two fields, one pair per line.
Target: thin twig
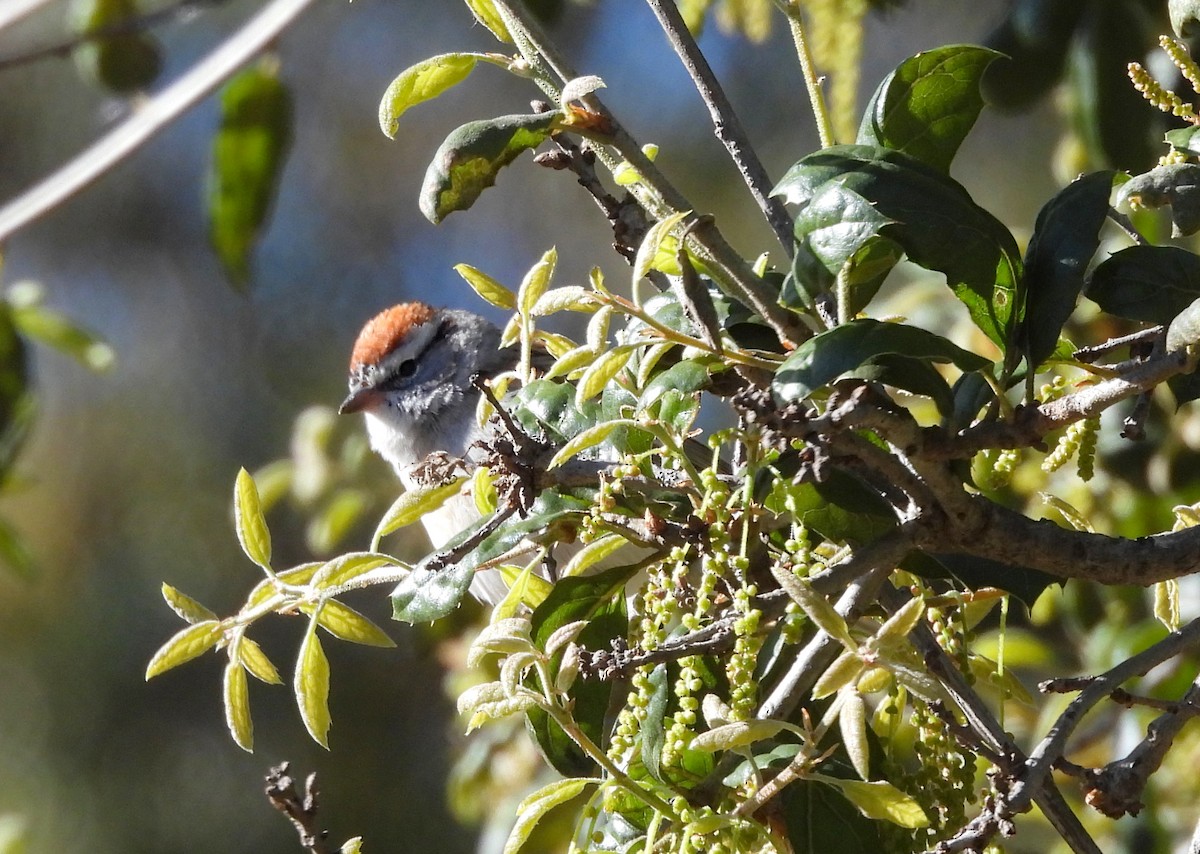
660,197
728,127
301,810
152,117
125,26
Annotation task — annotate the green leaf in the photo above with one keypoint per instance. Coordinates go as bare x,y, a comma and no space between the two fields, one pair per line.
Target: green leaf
819,820
256,662
237,707
412,504
125,59
588,438
538,804
927,106
1185,328
251,527
816,607
186,607
932,217
1176,185
347,567
601,372
657,250
422,82
536,281
878,800
1064,240
54,330
428,594
345,623
822,359
248,154
852,722
468,161
836,223
598,600
487,287
486,14
311,686
740,734
1150,283
186,644
842,509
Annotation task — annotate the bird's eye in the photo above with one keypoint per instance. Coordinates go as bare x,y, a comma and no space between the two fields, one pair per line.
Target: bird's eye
407,368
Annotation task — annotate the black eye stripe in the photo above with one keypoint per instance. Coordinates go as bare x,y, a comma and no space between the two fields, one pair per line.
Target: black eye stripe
409,366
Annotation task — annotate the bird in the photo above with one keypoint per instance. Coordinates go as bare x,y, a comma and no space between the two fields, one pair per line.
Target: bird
412,372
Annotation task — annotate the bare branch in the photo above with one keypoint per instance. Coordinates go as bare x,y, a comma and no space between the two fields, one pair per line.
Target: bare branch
301,810
151,117
728,128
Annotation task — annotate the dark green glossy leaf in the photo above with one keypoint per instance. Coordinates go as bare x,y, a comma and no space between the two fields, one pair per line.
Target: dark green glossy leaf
928,104
430,594
915,375
468,161
820,820
684,377
841,508
549,406
1176,186
598,599
836,223
933,219
1150,283
247,159
1064,240
825,357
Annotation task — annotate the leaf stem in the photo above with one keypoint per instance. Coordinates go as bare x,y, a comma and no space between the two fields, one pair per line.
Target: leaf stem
812,82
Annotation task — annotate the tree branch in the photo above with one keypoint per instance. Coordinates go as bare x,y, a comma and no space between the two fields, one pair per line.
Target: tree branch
152,117
728,128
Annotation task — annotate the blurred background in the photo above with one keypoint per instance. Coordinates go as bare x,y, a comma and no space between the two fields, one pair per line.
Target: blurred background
126,479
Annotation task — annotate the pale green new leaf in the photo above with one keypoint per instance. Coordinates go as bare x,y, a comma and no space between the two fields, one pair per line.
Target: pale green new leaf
185,606
852,721
900,624
256,662
487,287
412,505
524,588
588,438
591,554
188,643
741,734
578,87
504,636
536,282
815,606
596,377
878,800
237,707
567,298
534,807
486,14
572,360
344,623
352,846
422,82
502,709
311,686
345,568
252,530
651,253
844,670
563,635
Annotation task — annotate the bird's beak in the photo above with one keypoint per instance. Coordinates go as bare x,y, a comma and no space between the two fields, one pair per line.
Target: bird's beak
357,401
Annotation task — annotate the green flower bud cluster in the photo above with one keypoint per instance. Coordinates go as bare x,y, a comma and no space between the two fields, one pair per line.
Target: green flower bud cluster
743,687
945,781
1079,438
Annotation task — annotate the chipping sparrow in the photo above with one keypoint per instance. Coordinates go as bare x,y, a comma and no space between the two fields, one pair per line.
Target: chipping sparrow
410,376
